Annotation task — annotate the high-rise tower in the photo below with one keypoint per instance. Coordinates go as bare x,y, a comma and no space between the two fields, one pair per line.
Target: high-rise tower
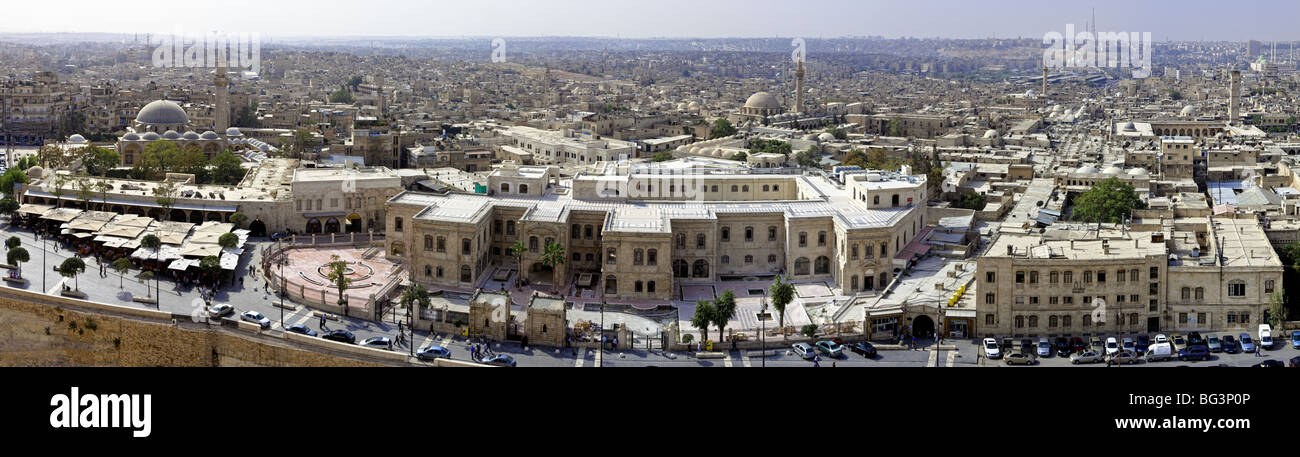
222,89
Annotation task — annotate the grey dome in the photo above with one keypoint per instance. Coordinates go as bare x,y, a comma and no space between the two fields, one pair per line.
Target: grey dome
150,136
171,135
162,112
762,100
131,136
76,139
210,135
190,135
233,131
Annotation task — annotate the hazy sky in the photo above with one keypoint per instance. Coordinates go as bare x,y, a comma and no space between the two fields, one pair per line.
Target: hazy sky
1166,19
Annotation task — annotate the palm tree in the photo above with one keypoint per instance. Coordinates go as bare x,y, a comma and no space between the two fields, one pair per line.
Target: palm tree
702,318
553,256
517,250
338,274
782,294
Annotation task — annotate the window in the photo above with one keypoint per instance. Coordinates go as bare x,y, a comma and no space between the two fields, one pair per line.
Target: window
1052,321
638,287
505,187
1200,293
1133,275
1033,321
681,241
1033,300
749,234
1268,286
726,234
1020,277
1033,277
1087,320
854,252
1119,276
875,200
523,188
1065,321
1087,277
771,258
1155,273
988,300
989,319
465,244
510,227
1053,300
465,273
1068,277
652,257
610,257
771,233
1237,289
496,227
650,287
990,277
1101,276
735,188
428,242
699,241
438,272
821,238
397,224
1020,321
532,243
428,270
1245,318
749,259
1068,299
803,239
638,256
586,233
577,257
1187,293
576,232
725,260
744,188
765,188
1053,277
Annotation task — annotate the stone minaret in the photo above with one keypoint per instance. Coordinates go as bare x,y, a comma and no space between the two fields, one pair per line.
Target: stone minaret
222,116
798,86
1044,93
1234,96
379,83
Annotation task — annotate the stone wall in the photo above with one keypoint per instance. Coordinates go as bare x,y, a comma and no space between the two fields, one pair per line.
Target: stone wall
40,330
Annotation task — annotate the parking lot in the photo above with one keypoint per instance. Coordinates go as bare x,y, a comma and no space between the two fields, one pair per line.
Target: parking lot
1281,351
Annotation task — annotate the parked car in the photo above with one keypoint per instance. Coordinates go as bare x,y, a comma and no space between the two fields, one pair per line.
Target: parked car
1213,344
1230,345
340,335
865,349
1265,337
1007,345
1078,344
991,349
1128,345
381,342
1159,351
1095,344
1063,347
433,352
1044,348
1269,363
500,360
1178,342
1027,346
1086,357
1021,359
1161,338
256,317
1142,344
1122,357
1196,352
804,350
830,348
220,310
1112,345
1295,340
1194,339
1247,344
301,330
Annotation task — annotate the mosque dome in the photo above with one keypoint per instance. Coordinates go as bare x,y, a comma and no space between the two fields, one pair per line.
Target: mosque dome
762,100
1112,171
233,131
1189,110
35,172
1086,170
131,136
990,134
1129,127
76,139
162,112
150,136
825,137
190,135
171,135
1138,172
210,135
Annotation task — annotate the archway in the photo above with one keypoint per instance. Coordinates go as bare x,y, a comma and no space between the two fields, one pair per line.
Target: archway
680,269
542,273
257,228
196,217
332,225
922,326
701,269
354,223
313,226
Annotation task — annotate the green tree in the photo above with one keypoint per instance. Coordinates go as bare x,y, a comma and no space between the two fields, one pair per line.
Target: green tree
972,201
662,156
809,158
72,267
1109,201
228,240
165,196
145,276
838,133
1277,312
11,177
702,318
354,82
337,273
13,242
724,308
121,265
415,297
16,256
85,190
99,160
782,294
721,128
809,330
238,218
153,244
8,206
246,116
211,268
892,128
740,156
341,96
517,251
227,169
553,256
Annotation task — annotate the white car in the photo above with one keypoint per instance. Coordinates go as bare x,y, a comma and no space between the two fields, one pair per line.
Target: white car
1128,345
991,349
804,350
1161,339
1265,336
220,310
254,316
1112,345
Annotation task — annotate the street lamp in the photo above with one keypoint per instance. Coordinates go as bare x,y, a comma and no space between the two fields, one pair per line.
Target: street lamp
602,333
284,283
763,317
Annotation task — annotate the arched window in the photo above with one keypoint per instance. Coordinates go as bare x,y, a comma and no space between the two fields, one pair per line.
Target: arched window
823,265
611,284
1052,321
428,270
523,188
397,224
510,227
699,241
532,243
1065,321
749,234
1200,293
576,232
801,266
1033,321
465,274
1187,293
1020,321
638,256
726,234
438,272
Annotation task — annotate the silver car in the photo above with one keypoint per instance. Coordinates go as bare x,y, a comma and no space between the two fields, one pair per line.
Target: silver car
1086,357
804,350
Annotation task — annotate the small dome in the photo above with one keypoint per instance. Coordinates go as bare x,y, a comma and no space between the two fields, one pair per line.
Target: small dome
171,135
990,134
1112,171
162,112
1138,172
1129,127
210,135
190,135
131,136
1189,110
1086,170
233,131
150,136
76,139
35,172
826,137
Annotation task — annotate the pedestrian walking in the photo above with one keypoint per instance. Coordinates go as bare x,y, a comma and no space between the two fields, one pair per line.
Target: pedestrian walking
1256,349
816,361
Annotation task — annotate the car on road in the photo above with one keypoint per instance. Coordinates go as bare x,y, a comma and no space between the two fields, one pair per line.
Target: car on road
1112,345
1196,352
830,348
1122,357
220,310
301,330
804,350
1247,344
1095,344
1142,344
340,335
1161,338
256,317
1128,345
1295,340
865,349
1021,359
991,349
1086,357
381,342
431,352
1268,363
1230,345
1063,347
1213,344
500,360
277,235
1044,348
1159,351
1265,337
1078,344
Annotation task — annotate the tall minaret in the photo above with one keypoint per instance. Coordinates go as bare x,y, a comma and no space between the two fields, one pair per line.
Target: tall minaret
1044,80
798,86
379,83
222,83
1234,96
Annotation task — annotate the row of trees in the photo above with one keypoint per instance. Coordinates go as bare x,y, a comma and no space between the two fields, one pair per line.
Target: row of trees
163,156
718,312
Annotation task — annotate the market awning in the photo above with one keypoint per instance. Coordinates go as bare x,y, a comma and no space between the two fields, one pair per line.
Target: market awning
965,313
32,208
